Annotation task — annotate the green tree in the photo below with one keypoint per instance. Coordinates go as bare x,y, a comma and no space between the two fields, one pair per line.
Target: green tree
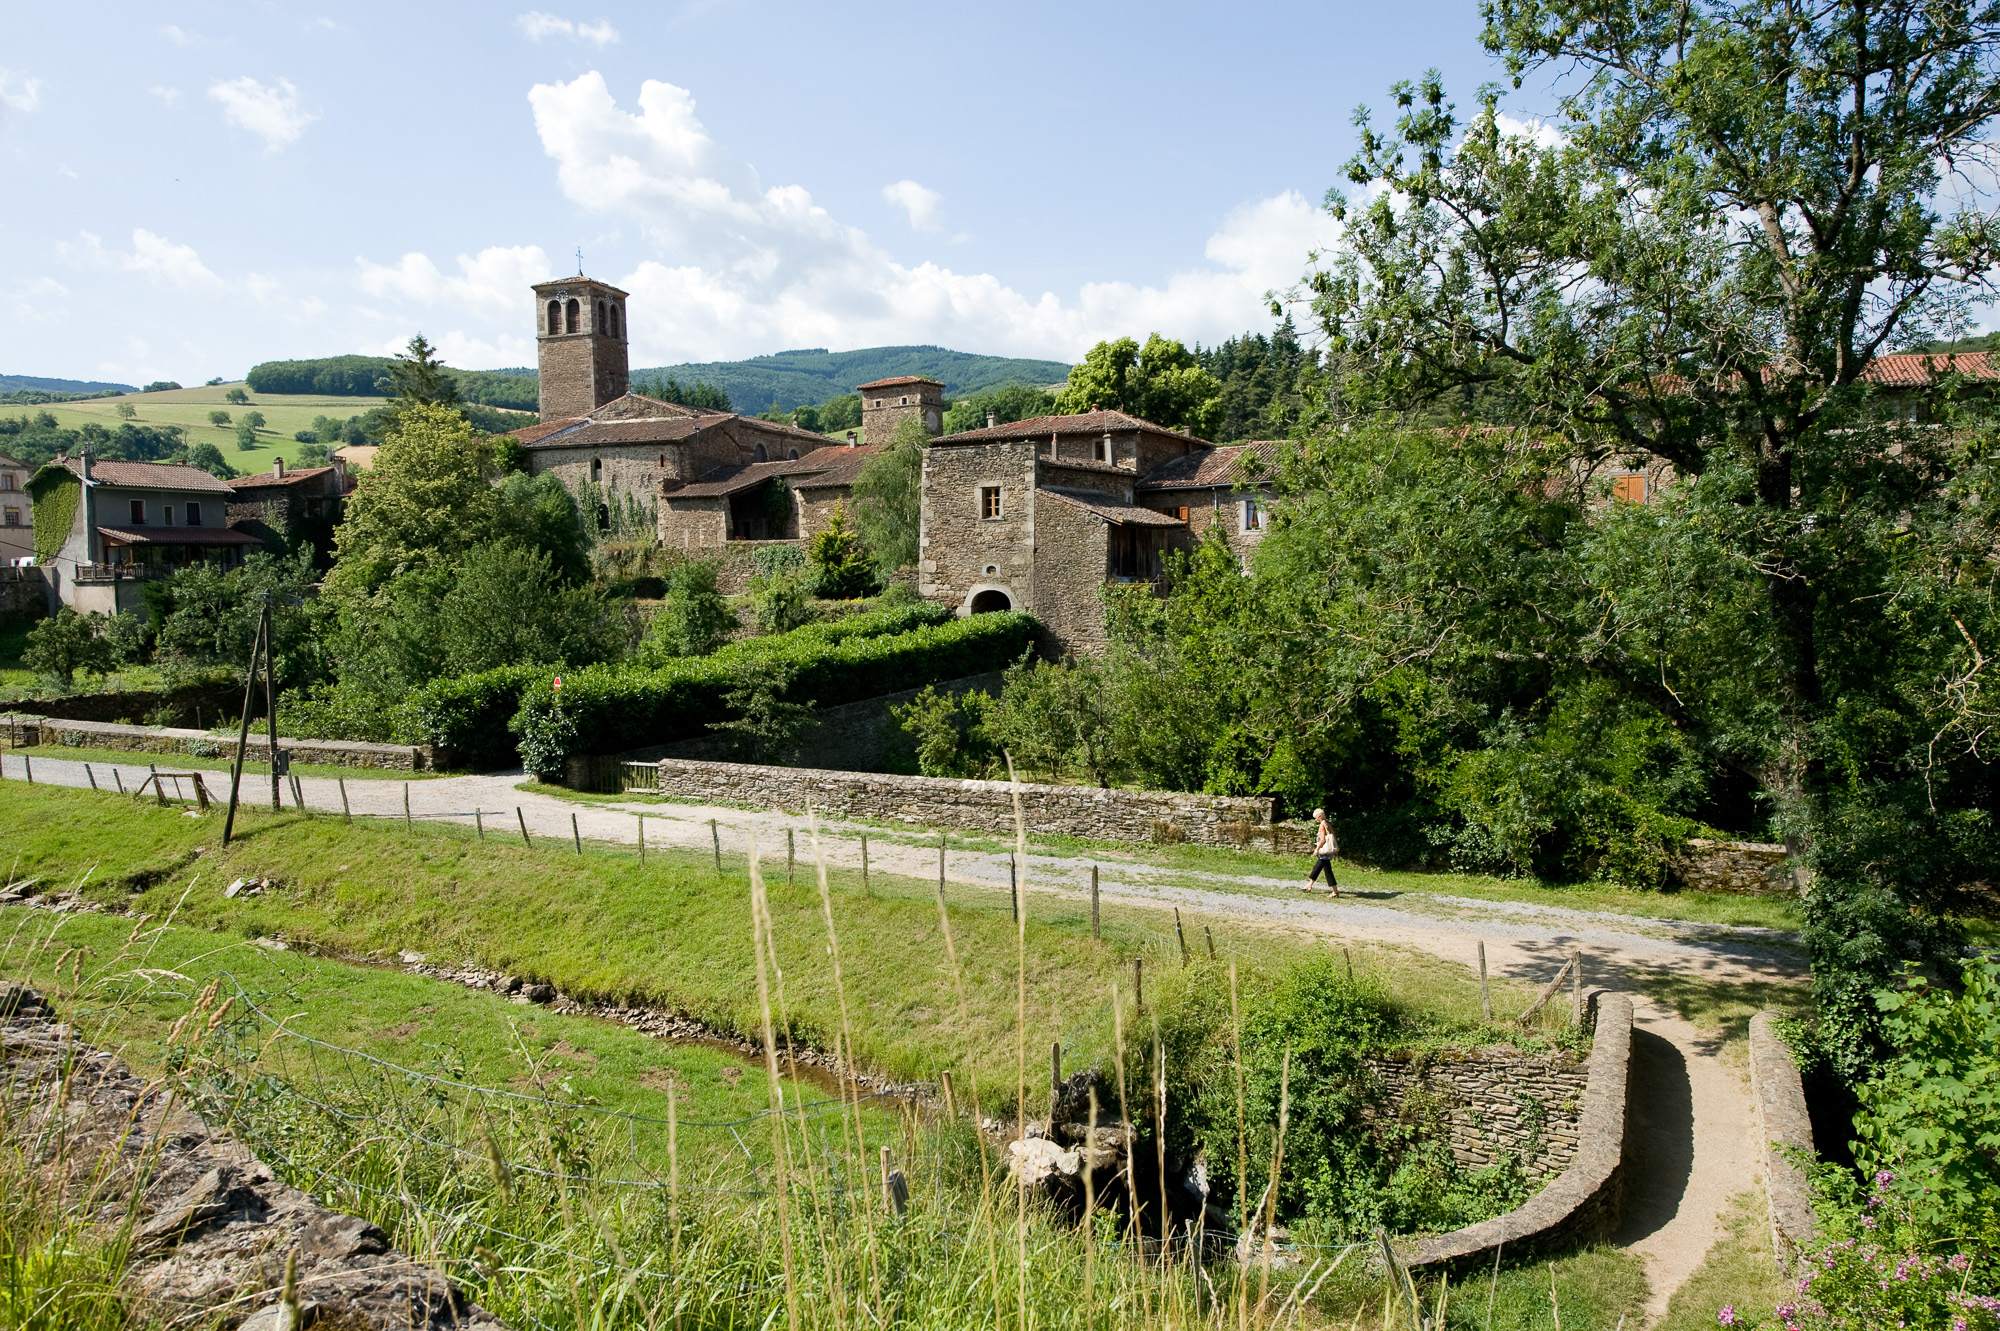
781,601
310,454
1006,404
696,618
209,458
246,437
207,616
886,498
693,393
841,562
254,419
425,500
1738,208
126,410
1052,716
539,512
67,642
767,725
218,418
1161,382
236,397
418,378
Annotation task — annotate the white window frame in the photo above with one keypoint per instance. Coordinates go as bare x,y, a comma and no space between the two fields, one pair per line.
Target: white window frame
1252,515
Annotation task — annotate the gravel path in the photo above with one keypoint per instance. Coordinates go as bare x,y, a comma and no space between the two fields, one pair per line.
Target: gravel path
1693,1120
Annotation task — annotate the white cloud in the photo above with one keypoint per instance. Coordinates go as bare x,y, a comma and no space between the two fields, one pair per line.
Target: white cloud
171,96
272,112
1539,132
40,301
745,269
154,257
537,26
18,92
925,206
493,283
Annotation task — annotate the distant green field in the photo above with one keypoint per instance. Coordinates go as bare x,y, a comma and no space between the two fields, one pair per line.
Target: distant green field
284,415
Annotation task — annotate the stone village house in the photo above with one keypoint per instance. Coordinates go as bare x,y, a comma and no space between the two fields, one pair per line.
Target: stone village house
1034,515
283,507
17,513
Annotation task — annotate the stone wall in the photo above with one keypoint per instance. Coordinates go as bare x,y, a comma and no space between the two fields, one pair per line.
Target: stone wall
958,546
1786,1127
60,734
1072,549
1747,867
973,806
1584,1199
23,590
212,1226
1498,1101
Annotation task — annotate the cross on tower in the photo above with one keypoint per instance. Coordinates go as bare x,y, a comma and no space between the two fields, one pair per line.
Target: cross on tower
579,261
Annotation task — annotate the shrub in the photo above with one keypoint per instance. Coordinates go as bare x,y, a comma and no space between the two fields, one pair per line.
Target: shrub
611,709
469,714
842,567
61,646
696,619
781,602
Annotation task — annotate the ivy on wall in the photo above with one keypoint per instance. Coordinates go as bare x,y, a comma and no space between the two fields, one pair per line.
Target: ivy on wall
56,491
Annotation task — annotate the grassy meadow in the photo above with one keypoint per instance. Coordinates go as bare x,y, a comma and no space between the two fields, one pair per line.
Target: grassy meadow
579,1212
284,415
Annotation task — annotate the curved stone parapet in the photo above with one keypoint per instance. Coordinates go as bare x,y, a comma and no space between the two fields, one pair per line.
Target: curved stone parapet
1786,1128
1584,1198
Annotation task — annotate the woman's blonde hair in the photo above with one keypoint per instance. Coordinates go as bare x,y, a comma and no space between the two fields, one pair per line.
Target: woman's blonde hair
1319,813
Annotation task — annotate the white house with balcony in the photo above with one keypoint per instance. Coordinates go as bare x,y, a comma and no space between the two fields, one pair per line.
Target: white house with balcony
130,521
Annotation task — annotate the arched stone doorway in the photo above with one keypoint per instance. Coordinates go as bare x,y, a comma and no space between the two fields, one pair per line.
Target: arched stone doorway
990,600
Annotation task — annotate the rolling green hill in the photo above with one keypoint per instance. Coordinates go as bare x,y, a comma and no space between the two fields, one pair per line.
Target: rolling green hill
15,383
790,378
809,377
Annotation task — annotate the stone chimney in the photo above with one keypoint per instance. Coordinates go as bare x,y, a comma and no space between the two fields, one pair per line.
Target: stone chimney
850,438
277,469
340,475
87,458
992,419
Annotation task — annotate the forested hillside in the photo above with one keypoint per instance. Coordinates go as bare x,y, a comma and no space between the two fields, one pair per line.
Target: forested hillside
15,383
367,376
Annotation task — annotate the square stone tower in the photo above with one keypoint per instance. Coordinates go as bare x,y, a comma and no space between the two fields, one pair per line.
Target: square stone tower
886,402
580,345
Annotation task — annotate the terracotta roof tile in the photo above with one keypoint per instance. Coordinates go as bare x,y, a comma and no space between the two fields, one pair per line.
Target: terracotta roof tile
265,480
1114,510
1216,469
840,464
151,476
1085,422
1916,369
898,382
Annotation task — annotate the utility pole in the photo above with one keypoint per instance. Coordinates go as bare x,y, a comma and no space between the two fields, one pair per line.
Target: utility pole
261,644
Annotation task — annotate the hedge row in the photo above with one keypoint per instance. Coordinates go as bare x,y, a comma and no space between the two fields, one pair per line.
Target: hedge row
469,714
613,709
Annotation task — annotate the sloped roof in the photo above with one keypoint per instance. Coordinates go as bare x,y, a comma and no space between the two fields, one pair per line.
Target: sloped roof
1083,422
179,535
836,464
1917,369
1114,511
151,476
1218,468
265,480
897,382
8,461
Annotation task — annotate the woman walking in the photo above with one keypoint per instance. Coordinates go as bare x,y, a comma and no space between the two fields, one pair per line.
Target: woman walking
1325,847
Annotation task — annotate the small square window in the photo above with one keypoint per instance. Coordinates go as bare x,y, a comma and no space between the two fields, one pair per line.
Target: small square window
1629,489
13,517
138,512
1253,516
989,501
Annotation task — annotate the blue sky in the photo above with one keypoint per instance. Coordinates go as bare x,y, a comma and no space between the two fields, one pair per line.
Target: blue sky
194,188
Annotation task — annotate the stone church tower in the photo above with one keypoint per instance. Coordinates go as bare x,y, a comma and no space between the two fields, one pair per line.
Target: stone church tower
580,345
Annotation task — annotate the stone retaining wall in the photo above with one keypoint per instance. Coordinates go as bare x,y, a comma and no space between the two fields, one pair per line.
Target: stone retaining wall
23,591
1751,868
189,702
171,740
1498,1101
973,806
1786,1128
212,1225
1584,1198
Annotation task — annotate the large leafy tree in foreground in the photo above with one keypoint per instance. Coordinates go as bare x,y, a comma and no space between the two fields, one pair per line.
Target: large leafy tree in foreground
1737,209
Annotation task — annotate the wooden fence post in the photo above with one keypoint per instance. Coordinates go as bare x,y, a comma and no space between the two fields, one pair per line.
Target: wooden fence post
1094,931
345,812
1485,996
1181,935
1014,886
791,854
715,835
642,838
575,835
92,775
522,819
1139,984
1208,934
407,824
1576,983
864,862
479,824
